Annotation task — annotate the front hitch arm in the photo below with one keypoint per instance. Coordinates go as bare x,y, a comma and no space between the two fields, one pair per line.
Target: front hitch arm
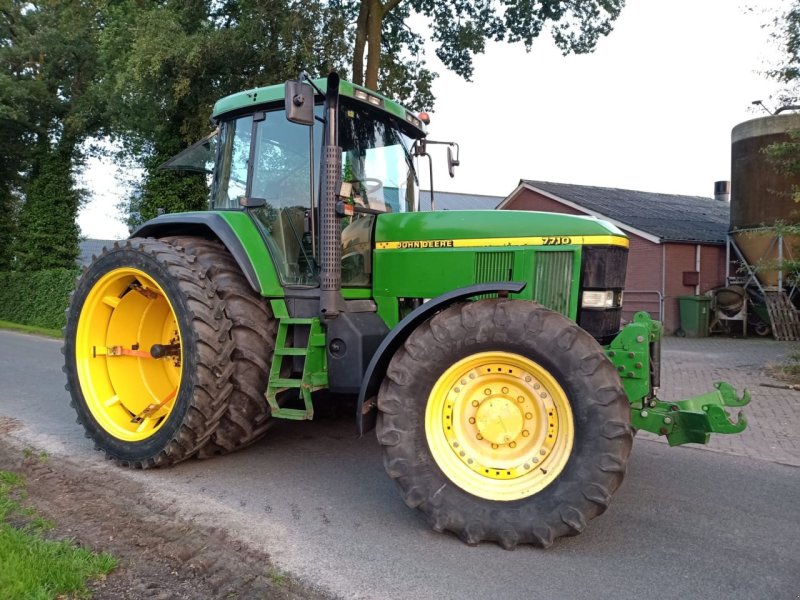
692,420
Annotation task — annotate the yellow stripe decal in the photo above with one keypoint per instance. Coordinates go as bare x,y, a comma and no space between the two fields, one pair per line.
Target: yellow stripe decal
557,240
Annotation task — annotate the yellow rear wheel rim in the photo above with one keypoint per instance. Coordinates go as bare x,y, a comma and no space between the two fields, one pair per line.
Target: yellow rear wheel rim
499,426
128,392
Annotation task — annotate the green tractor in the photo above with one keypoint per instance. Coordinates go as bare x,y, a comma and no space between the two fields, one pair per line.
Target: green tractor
483,346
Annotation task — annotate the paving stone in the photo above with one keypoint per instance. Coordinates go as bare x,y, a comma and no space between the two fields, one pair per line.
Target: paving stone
692,366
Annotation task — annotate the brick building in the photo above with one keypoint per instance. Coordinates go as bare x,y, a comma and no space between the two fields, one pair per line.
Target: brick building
677,243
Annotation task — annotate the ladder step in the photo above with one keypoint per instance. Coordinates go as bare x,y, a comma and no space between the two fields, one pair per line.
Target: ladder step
296,321
291,351
293,414
286,383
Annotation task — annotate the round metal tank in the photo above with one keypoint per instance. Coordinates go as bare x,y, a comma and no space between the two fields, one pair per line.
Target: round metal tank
760,195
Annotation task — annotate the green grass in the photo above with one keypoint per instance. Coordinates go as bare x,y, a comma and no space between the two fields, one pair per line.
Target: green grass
35,568
53,333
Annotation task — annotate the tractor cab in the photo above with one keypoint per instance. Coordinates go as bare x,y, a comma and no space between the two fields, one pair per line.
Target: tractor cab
269,166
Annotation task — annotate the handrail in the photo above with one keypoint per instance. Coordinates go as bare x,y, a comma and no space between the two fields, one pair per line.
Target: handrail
656,292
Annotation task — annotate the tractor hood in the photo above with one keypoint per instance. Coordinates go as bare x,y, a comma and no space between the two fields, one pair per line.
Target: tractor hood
475,228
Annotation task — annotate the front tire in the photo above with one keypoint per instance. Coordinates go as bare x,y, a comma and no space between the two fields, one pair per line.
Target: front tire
148,354
504,421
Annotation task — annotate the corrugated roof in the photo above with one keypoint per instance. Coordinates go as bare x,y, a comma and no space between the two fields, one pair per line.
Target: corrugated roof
454,201
669,217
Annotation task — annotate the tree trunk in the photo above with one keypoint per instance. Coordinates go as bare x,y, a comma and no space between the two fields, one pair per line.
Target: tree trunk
361,42
374,26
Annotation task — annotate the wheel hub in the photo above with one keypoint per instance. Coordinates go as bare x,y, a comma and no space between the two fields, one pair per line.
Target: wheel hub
499,420
128,354
499,425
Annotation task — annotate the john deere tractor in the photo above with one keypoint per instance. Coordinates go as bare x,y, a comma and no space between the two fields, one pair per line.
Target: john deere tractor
484,346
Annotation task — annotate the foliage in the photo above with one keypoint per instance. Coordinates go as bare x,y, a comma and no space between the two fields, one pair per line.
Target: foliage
9,204
165,191
37,298
786,33
48,63
461,29
168,62
35,567
48,233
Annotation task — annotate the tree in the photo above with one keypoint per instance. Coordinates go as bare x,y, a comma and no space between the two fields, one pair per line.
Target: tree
461,29
47,66
166,63
48,231
786,34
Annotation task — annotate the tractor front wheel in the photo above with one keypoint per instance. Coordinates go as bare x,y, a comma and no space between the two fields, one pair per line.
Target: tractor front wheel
148,354
504,421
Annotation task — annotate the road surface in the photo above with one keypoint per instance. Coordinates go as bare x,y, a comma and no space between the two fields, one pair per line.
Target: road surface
686,523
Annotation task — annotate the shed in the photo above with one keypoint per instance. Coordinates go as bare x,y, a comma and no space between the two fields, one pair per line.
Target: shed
677,243
456,201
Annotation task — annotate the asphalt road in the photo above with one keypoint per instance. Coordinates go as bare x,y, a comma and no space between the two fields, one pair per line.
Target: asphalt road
686,523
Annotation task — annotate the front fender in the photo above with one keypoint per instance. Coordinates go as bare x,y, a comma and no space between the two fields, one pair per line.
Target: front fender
376,370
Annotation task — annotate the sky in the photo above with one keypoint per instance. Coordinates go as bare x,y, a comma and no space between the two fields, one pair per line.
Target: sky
651,109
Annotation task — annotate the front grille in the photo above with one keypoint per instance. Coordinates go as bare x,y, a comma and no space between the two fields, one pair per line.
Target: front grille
493,266
553,282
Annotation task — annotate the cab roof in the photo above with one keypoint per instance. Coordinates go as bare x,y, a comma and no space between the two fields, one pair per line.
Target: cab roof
274,93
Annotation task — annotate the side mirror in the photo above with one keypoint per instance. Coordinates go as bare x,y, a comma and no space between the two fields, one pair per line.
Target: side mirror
299,102
452,163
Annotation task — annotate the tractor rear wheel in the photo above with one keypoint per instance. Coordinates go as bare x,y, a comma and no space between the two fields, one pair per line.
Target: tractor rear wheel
504,421
247,416
147,354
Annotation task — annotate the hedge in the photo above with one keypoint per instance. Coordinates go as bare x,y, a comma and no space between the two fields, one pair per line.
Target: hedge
37,298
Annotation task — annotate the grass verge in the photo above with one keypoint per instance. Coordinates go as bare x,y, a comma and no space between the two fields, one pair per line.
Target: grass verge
33,567
789,370
53,333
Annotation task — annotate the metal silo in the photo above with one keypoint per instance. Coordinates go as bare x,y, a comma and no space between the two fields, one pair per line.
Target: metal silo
760,195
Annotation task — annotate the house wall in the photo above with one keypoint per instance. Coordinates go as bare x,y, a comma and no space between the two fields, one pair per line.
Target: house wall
652,267
680,258
643,278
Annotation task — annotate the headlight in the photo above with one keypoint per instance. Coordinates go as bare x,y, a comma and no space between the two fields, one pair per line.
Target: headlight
601,299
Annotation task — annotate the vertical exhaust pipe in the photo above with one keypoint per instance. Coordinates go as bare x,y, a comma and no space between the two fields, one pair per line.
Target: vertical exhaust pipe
331,302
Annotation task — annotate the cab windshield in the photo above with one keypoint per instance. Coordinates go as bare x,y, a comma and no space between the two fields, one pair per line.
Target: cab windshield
376,160
265,156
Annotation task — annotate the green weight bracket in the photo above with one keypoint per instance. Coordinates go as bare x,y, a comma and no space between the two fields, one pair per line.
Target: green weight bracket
692,420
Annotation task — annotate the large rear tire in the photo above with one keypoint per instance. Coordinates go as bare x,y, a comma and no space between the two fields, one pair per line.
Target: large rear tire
504,421
247,416
147,354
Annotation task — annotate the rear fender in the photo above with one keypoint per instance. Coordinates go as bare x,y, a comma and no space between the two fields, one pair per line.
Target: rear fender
366,412
235,230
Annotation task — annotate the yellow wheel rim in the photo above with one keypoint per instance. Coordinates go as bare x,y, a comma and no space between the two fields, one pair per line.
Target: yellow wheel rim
128,391
499,426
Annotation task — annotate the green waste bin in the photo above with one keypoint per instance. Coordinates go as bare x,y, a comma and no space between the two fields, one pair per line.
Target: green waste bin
694,315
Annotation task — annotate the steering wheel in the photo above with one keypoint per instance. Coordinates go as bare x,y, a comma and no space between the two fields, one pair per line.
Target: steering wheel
370,185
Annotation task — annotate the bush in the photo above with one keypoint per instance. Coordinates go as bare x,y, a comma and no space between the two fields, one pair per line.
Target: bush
37,298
